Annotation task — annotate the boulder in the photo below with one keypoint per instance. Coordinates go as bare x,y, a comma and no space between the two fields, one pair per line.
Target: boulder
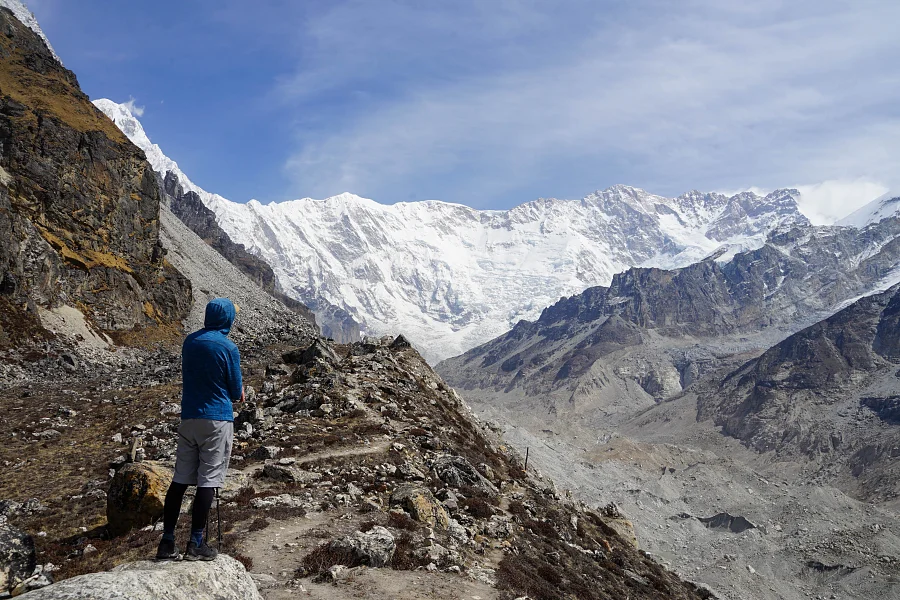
457,472
318,350
221,579
136,496
400,343
420,504
265,452
17,559
374,548
290,474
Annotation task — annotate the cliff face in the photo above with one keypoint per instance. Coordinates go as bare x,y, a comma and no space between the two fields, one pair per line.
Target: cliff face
79,204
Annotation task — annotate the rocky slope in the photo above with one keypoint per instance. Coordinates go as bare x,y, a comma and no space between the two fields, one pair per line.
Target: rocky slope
451,277
354,467
79,210
624,392
202,221
828,393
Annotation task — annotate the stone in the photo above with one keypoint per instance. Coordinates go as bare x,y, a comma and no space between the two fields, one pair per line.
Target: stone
136,496
421,505
286,500
265,452
17,558
318,350
290,474
221,579
400,343
457,472
264,581
374,548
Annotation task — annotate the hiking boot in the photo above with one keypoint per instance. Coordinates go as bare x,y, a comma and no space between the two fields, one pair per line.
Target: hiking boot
201,552
167,550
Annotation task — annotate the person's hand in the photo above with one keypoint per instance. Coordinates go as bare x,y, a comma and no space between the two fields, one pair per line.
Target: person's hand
242,396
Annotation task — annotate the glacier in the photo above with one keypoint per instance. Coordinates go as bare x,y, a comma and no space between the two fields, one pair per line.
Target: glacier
450,277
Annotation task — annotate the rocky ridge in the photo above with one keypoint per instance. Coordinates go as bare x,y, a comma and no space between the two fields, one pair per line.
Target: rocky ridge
349,461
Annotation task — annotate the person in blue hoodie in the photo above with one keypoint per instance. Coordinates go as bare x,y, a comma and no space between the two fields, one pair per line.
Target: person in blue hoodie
211,373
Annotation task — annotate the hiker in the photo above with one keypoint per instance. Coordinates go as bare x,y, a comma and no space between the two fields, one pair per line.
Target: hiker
211,373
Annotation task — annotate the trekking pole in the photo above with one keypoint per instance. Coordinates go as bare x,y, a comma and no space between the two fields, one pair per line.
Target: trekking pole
218,523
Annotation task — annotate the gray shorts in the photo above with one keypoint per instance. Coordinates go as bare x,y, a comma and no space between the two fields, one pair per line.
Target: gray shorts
204,449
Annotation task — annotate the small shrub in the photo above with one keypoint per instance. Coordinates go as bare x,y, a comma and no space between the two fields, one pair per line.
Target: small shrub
404,559
258,524
244,560
402,521
323,558
478,508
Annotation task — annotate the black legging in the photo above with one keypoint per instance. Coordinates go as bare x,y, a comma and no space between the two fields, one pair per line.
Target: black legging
199,513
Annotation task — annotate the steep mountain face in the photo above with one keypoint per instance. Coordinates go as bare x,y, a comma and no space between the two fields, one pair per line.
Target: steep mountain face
202,221
653,332
829,393
79,205
451,277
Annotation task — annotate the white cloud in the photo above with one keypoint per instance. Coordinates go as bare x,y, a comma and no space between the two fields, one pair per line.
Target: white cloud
826,202
137,111
706,95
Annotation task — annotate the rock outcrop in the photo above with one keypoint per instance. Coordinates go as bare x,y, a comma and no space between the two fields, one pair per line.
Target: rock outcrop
79,205
221,579
136,496
17,558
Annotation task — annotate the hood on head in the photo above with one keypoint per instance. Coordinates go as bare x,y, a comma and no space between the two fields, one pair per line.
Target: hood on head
220,314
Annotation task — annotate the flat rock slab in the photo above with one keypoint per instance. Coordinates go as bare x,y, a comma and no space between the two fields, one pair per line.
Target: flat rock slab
221,579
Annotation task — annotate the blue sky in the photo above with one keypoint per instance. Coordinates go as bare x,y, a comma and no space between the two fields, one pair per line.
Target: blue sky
495,103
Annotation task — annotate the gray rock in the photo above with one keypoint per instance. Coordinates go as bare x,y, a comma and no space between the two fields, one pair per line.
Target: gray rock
221,579
374,548
457,472
17,559
265,452
319,350
290,474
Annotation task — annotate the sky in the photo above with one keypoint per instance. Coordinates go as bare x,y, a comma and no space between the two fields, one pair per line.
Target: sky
492,104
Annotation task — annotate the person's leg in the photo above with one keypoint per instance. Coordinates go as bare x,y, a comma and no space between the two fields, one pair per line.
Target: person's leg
187,456
200,513
172,509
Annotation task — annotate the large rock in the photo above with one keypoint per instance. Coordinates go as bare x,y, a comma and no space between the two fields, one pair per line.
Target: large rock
221,579
17,559
374,548
319,350
421,505
290,474
457,472
136,496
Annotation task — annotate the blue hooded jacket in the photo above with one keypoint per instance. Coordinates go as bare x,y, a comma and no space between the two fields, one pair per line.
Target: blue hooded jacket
211,366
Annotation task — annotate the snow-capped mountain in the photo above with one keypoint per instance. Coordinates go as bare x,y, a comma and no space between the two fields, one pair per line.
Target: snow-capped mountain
28,19
451,277
882,207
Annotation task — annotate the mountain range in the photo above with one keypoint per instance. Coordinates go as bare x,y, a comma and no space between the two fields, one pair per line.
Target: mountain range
451,277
